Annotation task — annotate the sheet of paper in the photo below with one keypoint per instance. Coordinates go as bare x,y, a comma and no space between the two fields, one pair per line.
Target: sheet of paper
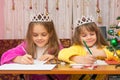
101,62
38,65
98,62
89,66
39,62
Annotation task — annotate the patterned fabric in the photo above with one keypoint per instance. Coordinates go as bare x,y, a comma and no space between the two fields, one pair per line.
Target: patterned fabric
9,77
6,44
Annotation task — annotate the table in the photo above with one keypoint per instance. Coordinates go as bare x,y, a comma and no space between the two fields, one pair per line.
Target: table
66,69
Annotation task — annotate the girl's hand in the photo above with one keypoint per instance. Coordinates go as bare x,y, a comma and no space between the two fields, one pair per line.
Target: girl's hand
26,59
88,59
46,57
98,52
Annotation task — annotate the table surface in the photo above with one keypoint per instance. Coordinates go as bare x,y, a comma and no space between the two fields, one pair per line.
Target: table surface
66,69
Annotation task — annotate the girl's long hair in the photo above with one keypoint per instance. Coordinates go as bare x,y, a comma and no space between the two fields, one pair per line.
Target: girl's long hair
53,44
90,27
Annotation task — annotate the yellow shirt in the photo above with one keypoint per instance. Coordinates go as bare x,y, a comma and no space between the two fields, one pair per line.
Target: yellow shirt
77,50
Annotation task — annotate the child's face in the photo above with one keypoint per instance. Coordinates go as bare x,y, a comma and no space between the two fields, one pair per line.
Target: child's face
40,35
89,37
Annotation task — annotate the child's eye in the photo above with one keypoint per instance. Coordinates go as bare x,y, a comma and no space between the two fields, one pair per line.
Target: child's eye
83,35
44,34
92,33
35,35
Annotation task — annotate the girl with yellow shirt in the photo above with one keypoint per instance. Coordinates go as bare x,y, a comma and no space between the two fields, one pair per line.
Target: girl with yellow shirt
78,53
86,30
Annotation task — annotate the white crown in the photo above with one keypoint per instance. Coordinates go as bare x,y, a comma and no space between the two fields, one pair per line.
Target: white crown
84,20
41,18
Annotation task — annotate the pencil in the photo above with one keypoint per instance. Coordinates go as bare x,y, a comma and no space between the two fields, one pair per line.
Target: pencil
24,50
87,47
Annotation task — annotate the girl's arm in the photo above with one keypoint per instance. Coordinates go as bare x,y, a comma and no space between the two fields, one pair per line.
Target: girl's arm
25,59
88,59
9,55
66,53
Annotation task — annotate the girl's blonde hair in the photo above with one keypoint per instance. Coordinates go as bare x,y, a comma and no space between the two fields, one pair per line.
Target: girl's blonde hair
90,27
53,45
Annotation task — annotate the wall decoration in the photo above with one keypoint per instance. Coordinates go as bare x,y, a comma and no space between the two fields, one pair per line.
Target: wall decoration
99,17
13,5
57,4
30,7
76,3
68,3
46,7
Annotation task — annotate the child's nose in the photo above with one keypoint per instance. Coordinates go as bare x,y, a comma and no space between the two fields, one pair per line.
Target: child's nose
39,37
88,36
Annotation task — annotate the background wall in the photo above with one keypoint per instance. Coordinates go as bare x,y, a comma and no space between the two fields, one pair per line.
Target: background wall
15,14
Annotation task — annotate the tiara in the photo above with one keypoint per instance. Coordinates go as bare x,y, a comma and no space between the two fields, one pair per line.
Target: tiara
84,20
41,18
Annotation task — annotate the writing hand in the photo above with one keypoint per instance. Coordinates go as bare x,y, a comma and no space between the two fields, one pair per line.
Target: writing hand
89,59
27,59
46,57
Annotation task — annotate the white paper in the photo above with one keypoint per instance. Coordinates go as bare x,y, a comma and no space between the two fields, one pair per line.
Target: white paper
39,62
38,65
98,62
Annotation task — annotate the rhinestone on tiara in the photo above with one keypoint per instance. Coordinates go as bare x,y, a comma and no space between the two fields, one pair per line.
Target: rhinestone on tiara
41,18
84,20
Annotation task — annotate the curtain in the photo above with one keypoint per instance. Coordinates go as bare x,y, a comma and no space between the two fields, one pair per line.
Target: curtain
1,19
63,12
